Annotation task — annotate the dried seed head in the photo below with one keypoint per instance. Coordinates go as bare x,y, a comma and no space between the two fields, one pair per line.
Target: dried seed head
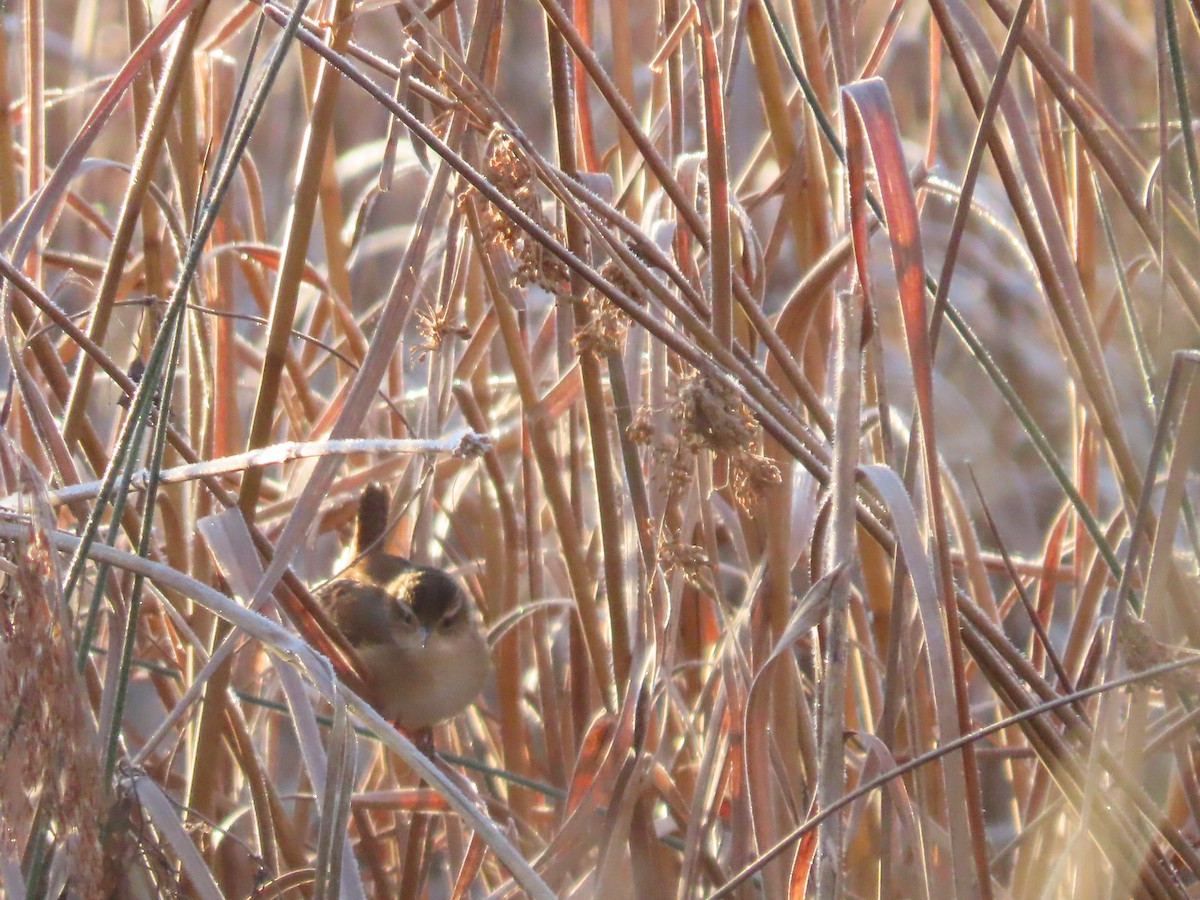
680,460
505,166
536,265
604,332
712,415
473,445
641,430
752,475
53,754
508,171
620,278
689,559
434,326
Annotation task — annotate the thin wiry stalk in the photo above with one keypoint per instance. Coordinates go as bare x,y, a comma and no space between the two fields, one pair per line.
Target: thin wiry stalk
608,500
135,595
1181,98
831,763
131,208
1021,717
295,252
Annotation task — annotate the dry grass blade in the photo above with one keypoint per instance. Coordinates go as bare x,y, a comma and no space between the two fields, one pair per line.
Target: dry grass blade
870,121
879,781
838,555
165,818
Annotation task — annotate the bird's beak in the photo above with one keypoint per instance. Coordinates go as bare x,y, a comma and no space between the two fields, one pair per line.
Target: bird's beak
423,632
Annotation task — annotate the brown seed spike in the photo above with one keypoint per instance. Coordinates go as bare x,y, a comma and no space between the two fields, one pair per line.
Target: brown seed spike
372,519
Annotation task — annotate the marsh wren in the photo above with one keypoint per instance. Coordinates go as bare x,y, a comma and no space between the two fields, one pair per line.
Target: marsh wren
413,626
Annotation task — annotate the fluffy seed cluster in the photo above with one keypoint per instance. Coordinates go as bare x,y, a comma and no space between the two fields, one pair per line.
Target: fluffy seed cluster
641,427
689,559
753,473
508,171
607,324
619,277
670,454
434,327
50,755
605,330
712,416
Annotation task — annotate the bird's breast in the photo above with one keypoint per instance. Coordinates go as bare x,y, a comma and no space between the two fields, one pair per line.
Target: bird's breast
418,686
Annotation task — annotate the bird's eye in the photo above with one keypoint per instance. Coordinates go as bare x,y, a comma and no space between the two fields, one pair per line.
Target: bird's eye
449,619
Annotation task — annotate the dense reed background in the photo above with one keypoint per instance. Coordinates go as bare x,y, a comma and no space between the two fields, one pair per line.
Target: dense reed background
799,387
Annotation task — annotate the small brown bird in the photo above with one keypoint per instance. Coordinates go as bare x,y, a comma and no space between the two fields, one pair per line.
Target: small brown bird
413,626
